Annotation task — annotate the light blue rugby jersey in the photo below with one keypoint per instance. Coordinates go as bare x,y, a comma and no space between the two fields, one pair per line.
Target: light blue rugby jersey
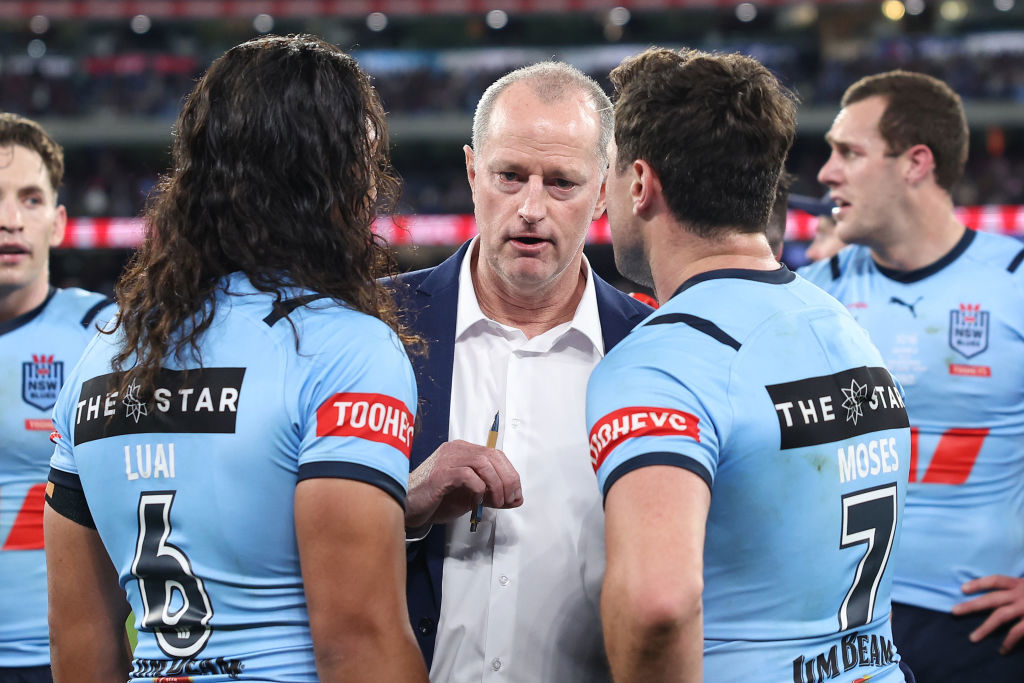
37,350
767,389
953,335
198,489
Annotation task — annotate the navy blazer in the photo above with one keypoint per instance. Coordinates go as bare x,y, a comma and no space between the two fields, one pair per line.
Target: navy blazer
428,301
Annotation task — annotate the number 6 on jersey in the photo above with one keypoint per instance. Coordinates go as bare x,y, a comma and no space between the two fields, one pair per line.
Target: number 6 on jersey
166,579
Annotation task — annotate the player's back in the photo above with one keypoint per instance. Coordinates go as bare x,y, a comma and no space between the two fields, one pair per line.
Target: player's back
37,350
802,434
193,494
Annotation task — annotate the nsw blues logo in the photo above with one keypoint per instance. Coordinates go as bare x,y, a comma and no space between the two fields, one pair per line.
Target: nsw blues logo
968,330
41,381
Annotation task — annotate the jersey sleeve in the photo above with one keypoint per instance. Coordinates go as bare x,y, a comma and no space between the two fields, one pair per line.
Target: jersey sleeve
63,416
358,412
639,413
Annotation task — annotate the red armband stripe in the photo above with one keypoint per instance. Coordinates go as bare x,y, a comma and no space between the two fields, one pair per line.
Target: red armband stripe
627,423
374,417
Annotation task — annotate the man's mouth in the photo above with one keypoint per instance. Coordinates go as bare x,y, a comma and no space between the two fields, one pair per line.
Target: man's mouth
15,249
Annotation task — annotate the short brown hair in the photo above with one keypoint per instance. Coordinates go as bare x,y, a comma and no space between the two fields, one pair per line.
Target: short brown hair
920,110
716,128
17,130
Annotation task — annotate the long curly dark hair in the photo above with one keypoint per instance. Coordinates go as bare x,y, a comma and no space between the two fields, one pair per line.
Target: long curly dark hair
281,165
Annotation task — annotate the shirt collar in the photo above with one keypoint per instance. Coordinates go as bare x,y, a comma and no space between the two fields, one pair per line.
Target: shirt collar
586,320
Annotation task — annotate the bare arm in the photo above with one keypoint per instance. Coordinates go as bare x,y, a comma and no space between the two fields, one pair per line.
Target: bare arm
1005,598
651,607
455,478
87,606
352,550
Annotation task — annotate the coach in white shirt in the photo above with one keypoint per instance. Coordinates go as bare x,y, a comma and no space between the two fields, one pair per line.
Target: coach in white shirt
515,321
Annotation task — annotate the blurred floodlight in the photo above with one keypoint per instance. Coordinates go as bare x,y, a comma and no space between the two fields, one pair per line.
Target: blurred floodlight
746,11
39,24
497,19
377,21
915,7
263,23
893,10
1004,5
953,10
36,48
802,15
619,16
141,24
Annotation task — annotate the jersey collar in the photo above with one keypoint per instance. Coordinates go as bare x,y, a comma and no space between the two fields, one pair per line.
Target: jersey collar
953,254
779,276
28,316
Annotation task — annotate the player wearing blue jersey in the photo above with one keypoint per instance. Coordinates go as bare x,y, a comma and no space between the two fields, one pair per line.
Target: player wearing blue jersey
750,443
42,333
945,305
233,456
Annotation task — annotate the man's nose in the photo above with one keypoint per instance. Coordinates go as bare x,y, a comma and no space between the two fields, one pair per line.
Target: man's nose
534,207
10,215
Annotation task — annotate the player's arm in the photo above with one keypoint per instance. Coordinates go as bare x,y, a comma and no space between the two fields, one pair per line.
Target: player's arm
651,607
87,608
1005,599
352,549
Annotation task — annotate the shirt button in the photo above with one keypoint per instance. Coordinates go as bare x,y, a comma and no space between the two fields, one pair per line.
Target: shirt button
503,580
496,664
515,422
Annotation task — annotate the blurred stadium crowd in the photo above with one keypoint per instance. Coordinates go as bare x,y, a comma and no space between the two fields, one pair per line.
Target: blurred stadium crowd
110,87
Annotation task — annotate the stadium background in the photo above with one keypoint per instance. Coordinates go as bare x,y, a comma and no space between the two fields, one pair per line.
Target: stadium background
107,77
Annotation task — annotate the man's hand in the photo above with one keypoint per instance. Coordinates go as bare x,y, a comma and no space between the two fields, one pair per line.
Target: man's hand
456,477
1006,600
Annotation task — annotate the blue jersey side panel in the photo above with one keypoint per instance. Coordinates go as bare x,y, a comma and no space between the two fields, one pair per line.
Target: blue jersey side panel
36,353
955,339
786,410
200,485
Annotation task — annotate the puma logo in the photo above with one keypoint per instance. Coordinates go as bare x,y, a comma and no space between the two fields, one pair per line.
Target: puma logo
901,302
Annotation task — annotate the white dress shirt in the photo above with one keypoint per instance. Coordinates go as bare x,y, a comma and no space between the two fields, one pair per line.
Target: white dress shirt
520,596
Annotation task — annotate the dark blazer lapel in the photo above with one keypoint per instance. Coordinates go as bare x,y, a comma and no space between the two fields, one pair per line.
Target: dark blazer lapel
618,313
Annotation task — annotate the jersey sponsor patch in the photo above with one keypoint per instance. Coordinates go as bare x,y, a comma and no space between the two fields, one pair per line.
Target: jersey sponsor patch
830,408
374,417
968,330
203,401
970,370
41,380
627,423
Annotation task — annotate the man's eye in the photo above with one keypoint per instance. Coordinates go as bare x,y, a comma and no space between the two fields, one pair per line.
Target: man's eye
563,184
509,176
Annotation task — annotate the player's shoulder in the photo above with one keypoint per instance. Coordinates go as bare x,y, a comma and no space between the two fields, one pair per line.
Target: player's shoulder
851,260
75,306
1000,254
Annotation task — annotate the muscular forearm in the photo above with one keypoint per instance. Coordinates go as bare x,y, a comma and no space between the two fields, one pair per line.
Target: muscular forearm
85,653
372,655
653,643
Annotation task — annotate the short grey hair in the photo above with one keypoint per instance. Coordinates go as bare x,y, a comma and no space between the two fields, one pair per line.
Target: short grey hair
551,82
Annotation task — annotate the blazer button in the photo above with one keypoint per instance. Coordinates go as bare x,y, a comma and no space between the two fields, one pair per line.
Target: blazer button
425,627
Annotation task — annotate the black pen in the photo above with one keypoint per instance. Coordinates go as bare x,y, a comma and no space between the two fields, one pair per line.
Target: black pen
492,441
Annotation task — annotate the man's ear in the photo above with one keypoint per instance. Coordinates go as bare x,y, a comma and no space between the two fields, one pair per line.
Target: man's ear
470,168
645,188
60,224
920,163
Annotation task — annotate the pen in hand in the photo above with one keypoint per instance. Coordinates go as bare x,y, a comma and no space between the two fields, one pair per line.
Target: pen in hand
492,441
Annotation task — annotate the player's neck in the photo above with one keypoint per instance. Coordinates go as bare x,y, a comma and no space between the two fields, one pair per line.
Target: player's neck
21,300
927,233
682,255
